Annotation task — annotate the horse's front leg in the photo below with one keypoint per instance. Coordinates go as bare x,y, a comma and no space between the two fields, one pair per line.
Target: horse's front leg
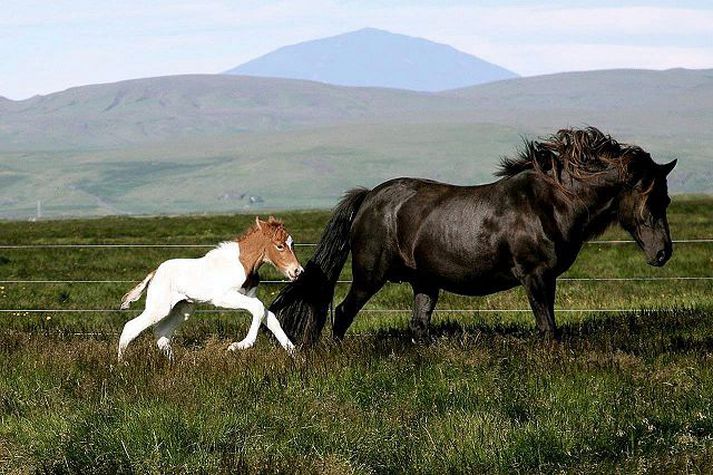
540,288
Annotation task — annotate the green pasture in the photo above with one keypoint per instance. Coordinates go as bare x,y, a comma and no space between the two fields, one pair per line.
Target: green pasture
628,389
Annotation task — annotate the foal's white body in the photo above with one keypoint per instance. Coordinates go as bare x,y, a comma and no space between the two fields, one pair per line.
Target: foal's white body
215,278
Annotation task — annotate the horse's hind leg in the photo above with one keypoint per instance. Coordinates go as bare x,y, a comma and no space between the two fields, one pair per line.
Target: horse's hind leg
361,290
424,301
165,328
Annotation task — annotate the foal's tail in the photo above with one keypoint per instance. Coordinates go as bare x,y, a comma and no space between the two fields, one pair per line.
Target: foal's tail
135,294
302,305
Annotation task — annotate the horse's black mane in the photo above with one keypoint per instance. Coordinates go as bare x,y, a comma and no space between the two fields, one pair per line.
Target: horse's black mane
583,153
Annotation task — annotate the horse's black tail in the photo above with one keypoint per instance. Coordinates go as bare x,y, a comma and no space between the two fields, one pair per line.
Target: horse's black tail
302,305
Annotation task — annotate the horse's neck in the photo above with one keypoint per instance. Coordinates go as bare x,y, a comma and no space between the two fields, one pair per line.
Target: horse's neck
591,210
252,253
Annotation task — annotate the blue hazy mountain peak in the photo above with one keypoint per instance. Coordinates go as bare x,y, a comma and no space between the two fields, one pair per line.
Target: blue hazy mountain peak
377,58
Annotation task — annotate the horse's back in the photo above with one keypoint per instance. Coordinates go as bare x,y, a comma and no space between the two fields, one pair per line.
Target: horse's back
454,236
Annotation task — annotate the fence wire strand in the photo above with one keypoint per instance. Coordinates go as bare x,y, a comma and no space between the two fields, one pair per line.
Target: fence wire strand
209,246
28,311
273,282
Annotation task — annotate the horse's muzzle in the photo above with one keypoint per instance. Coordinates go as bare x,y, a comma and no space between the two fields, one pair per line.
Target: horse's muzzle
661,258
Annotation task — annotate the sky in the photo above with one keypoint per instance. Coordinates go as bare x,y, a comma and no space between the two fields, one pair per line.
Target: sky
48,46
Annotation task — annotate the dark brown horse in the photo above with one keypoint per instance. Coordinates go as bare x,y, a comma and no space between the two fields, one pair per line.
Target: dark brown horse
524,229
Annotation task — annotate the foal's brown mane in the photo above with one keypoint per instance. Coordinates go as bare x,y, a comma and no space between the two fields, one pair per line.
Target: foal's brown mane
583,153
273,228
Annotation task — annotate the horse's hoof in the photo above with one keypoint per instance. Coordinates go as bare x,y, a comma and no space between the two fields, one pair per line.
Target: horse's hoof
421,338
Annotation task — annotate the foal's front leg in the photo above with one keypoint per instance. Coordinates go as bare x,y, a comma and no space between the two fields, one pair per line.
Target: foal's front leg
273,324
236,300
250,338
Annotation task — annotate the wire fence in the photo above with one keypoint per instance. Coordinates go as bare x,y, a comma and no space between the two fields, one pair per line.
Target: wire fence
209,246
32,311
272,282
368,310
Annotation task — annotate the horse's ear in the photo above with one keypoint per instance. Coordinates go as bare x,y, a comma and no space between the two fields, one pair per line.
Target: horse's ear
666,168
257,222
271,219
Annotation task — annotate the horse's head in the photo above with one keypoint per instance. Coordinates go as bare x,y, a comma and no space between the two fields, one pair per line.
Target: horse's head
642,207
278,247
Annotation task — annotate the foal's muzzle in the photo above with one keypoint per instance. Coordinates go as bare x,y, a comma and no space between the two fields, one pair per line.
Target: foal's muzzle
294,273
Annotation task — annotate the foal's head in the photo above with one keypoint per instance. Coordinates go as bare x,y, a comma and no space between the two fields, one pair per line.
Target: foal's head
277,247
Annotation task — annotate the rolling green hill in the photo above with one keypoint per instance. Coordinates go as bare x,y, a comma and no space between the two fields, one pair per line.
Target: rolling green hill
218,143
168,108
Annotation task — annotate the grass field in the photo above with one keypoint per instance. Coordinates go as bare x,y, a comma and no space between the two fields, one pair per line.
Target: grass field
625,391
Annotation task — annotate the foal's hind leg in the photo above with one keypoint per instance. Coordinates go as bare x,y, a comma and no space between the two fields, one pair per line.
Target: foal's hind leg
165,328
158,306
424,301
134,327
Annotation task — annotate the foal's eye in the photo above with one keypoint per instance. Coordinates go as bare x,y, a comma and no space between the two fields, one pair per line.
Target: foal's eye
280,247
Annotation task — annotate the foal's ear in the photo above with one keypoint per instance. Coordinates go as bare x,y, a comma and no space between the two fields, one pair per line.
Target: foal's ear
666,168
257,223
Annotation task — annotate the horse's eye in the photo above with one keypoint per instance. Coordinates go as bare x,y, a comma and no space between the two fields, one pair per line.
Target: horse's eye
280,247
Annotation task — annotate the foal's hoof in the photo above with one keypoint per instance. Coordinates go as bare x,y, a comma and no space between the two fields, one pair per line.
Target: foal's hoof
290,349
239,345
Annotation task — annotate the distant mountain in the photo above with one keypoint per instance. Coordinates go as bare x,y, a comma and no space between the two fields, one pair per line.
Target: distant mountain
376,58
200,143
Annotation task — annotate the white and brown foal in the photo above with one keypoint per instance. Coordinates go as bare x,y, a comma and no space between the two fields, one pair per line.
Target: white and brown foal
226,277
